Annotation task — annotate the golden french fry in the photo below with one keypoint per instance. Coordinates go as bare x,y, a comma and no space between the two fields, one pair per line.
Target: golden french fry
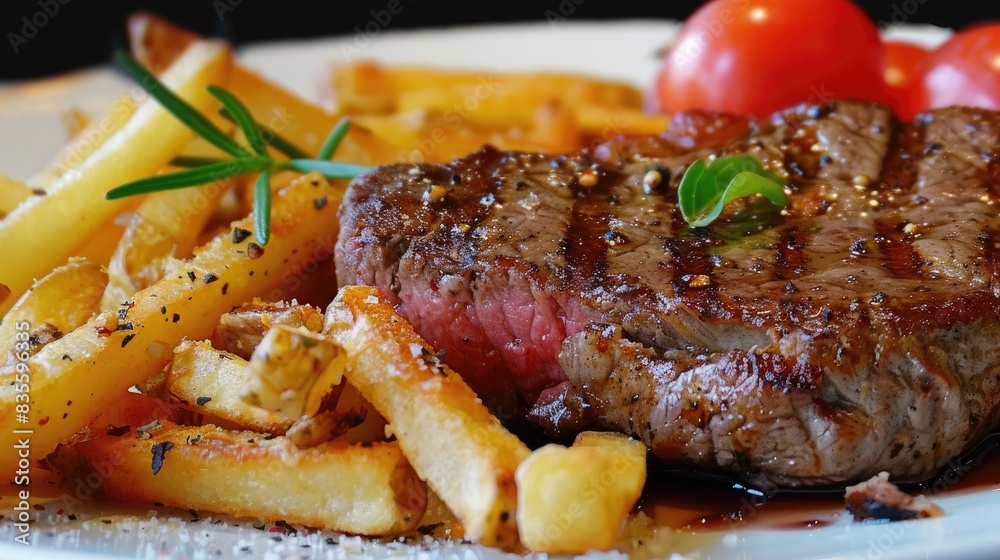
606,123
453,442
366,490
12,193
166,225
58,303
572,500
222,275
203,380
41,232
370,88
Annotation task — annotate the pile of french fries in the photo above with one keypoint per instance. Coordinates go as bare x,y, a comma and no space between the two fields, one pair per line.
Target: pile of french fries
152,343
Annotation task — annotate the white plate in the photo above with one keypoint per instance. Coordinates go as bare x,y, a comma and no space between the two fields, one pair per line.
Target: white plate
31,132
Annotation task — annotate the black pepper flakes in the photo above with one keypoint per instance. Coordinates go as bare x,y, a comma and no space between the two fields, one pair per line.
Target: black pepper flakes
117,431
240,235
159,451
225,288
320,202
124,327
202,401
209,278
284,525
254,251
66,357
163,310
176,317
128,338
192,275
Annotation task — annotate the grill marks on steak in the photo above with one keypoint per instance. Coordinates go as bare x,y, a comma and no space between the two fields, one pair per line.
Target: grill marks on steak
851,333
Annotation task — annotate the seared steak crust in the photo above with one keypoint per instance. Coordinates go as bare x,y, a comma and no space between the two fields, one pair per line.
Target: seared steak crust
851,333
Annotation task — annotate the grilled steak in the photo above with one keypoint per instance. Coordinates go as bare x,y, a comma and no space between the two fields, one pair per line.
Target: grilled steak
851,333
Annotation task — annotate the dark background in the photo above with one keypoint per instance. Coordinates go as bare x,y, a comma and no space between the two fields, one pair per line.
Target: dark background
84,32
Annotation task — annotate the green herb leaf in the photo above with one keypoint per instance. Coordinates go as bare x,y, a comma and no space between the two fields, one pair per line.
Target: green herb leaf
178,107
190,178
194,161
705,190
329,169
262,207
243,118
333,140
272,138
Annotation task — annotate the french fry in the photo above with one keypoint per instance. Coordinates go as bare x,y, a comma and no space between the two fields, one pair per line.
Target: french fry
41,232
370,88
221,275
166,225
367,490
453,442
62,300
203,379
572,500
12,193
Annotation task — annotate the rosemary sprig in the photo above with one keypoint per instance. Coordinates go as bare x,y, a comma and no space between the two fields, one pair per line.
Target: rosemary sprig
205,170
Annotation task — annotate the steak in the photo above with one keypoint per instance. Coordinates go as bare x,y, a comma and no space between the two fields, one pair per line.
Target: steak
852,332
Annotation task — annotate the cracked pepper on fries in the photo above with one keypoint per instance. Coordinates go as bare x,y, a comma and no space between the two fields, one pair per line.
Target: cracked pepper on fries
168,352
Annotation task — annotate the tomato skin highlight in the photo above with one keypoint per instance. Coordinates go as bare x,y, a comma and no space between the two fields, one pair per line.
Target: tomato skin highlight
902,69
965,70
757,57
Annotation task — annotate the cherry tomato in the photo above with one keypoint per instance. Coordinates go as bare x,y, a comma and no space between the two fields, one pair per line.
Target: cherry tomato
965,70
760,56
902,66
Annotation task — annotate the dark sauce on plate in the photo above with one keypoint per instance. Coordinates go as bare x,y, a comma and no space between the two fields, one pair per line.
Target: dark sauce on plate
697,501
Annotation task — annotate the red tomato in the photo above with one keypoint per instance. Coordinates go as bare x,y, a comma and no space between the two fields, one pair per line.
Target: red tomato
902,66
963,71
760,56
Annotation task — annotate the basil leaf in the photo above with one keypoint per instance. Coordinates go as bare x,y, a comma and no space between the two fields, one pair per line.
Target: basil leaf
705,190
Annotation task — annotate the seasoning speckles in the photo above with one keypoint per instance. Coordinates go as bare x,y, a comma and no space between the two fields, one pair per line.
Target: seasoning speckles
176,317
321,202
254,251
209,278
159,452
240,235
192,275
202,401
128,338
117,431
